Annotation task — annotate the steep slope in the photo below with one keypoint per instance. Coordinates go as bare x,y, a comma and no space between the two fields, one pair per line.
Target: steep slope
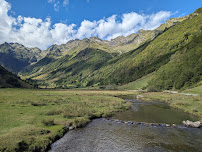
8,80
68,70
152,55
15,57
183,70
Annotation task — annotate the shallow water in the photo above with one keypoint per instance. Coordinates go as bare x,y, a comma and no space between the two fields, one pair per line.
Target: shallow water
102,135
153,112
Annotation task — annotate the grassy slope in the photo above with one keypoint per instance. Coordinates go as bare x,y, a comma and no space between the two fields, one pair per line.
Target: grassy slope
67,71
150,56
138,84
32,119
8,80
195,90
183,70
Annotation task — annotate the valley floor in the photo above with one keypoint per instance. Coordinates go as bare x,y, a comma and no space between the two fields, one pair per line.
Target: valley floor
31,119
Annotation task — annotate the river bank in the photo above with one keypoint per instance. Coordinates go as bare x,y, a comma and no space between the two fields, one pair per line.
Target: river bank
31,120
116,135
187,103
34,119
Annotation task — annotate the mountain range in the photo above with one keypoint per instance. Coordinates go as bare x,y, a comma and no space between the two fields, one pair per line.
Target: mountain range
172,54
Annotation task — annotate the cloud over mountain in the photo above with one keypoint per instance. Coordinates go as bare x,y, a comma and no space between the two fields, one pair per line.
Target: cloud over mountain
33,32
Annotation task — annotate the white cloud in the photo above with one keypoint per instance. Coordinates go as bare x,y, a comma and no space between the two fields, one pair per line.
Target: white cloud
56,6
51,1
33,32
65,2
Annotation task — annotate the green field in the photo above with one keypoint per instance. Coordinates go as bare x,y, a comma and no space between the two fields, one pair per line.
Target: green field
33,119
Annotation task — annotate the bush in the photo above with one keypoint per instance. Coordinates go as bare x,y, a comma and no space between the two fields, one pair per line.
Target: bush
48,122
152,89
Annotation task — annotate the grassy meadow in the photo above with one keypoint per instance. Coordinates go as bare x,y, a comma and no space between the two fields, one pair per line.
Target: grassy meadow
32,119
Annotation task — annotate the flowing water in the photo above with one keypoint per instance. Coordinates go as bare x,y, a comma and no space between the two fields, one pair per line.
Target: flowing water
102,135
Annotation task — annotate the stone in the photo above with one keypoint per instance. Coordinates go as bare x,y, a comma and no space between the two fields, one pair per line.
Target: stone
167,125
188,123
71,128
139,96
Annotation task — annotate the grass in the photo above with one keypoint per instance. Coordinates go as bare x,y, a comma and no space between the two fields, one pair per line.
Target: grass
195,90
32,119
138,84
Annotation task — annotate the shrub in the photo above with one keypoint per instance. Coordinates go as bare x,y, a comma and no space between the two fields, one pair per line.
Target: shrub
48,122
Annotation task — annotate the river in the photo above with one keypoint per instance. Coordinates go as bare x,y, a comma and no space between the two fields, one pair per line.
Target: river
102,135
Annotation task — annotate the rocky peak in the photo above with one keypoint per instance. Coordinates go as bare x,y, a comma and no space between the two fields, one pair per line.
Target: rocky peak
95,39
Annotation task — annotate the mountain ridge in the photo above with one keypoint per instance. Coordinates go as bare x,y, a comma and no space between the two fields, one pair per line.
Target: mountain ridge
96,62
17,54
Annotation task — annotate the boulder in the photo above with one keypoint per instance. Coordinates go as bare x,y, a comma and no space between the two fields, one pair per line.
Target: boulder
71,128
139,96
188,123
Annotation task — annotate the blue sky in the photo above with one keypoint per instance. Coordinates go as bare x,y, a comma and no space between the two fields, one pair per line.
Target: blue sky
78,10
41,23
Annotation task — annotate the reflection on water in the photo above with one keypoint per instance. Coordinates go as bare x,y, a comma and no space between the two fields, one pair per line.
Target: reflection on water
105,136
153,112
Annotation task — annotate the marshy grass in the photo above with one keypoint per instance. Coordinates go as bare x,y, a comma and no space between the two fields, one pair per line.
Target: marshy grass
32,119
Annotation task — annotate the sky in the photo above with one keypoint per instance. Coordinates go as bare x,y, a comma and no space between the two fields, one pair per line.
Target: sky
41,23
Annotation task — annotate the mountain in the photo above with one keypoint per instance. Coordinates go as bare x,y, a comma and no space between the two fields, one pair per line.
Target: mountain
8,80
183,70
86,65
96,62
57,71
15,57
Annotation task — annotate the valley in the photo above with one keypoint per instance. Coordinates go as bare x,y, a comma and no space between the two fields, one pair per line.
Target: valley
75,88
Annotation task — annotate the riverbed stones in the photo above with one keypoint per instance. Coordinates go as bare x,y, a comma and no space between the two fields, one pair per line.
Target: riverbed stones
188,123
71,128
139,96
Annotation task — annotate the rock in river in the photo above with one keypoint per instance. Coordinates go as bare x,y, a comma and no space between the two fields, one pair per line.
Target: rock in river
188,123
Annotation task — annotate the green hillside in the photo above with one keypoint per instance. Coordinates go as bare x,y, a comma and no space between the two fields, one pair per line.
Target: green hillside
183,70
150,56
98,67
8,80
68,71
138,84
